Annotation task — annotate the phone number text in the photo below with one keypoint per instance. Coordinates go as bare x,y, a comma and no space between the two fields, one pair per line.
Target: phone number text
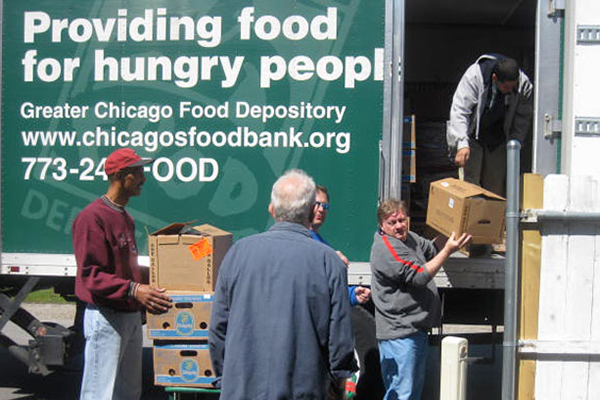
163,169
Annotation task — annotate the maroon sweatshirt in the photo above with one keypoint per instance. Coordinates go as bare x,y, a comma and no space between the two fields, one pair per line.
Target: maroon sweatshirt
106,254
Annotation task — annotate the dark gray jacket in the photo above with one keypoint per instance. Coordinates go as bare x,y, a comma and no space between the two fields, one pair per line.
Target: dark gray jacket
281,320
405,296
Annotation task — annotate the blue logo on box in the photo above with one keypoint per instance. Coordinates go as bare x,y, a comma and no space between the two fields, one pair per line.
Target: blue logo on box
189,370
184,323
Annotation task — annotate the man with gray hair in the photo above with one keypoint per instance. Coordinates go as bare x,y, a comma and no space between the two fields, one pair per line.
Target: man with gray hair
281,322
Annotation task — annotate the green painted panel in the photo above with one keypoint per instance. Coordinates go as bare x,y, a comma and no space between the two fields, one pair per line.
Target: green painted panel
227,95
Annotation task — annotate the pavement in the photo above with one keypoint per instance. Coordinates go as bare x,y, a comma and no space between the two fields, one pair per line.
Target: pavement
63,384
484,379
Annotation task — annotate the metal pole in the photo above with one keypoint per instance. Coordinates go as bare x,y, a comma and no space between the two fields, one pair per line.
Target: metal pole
566,216
393,188
511,268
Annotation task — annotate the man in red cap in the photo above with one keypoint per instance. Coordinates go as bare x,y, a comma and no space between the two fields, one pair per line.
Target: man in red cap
111,283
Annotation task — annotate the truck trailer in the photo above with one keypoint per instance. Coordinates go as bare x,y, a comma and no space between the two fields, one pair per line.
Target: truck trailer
228,95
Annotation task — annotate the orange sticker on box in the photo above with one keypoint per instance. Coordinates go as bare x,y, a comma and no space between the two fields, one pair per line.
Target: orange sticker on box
200,249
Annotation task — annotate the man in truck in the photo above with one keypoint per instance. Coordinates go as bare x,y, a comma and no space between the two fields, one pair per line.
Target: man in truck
281,324
491,105
112,284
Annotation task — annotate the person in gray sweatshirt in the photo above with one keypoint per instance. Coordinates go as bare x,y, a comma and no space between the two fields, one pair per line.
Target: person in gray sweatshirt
406,298
492,104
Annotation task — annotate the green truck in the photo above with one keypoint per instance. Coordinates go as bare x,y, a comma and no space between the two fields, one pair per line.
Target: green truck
226,96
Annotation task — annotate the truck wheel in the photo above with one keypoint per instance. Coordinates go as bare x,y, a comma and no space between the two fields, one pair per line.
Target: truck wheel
370,385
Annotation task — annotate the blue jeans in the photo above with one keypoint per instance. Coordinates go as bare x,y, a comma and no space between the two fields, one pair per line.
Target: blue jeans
113,355
403,363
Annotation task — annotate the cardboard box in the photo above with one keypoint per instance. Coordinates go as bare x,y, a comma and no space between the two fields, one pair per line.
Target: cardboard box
409,132
186,258
187,320
409,152
409,165
405,193
183,364
458,206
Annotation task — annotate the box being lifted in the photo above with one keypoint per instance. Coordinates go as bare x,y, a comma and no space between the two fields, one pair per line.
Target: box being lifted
187,258
458,206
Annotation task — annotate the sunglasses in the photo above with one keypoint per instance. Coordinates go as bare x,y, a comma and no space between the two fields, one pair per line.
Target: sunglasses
320,204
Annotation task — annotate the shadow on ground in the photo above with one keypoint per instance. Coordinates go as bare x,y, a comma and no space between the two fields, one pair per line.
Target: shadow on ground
62,384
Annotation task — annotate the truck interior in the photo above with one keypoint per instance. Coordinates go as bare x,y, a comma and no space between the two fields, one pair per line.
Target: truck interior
442,38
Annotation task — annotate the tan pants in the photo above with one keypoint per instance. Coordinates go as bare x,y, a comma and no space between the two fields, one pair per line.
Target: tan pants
487,168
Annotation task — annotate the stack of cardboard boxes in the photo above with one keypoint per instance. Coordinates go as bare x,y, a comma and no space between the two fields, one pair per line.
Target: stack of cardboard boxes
409,150
185,260
409,156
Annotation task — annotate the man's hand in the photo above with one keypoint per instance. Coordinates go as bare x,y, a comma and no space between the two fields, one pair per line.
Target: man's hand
462,156
335,389
343,257
440,241
363,294
453,244
153,299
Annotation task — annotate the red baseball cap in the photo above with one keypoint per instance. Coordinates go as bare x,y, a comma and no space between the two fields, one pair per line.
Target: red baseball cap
124,158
